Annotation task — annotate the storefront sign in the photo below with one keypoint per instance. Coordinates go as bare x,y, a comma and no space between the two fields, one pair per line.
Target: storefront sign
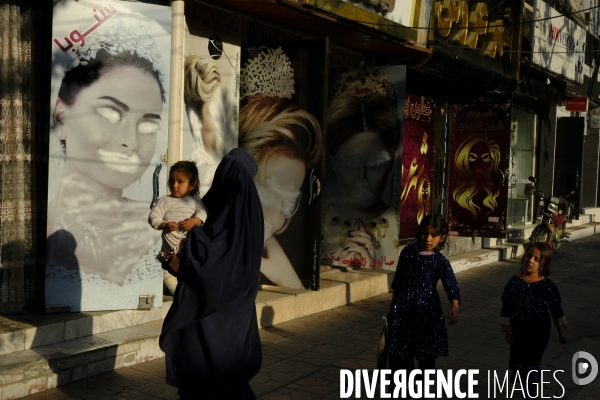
399,11
576,104
478,150
558,42
417,163
394,17
470,25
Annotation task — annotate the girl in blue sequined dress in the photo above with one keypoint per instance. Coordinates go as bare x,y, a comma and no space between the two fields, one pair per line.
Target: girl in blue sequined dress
418,329
526,300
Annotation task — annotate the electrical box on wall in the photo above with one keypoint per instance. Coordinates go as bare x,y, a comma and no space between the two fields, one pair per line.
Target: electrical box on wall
146,302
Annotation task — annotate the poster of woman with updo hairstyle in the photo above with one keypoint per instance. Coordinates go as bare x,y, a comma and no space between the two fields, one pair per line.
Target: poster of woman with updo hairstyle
210,92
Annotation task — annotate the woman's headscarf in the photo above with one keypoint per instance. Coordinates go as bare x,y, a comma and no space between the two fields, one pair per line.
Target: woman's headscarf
210,335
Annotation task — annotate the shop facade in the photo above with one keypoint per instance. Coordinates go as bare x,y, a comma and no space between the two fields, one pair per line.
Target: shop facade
455,95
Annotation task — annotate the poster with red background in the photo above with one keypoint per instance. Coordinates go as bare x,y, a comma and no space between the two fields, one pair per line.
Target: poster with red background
478,148
417,163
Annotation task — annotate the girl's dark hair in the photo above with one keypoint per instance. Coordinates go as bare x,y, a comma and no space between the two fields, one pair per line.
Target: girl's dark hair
189,169
545,257
439,225
83,76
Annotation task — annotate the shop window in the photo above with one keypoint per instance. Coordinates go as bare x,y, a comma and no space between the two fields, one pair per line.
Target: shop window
521,167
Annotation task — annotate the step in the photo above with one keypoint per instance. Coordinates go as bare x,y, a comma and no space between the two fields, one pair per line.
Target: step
30,371
581,231
594,211
456,245
583,219
275,304
474,258
28,331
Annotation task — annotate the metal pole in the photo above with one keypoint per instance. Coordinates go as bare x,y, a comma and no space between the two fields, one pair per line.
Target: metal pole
176,84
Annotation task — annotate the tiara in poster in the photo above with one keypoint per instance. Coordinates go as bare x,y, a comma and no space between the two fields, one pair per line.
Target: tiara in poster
270,72
116,29
363,82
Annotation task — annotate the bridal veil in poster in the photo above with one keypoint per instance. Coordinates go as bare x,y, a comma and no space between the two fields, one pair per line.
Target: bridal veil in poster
281,113
110,77
363,147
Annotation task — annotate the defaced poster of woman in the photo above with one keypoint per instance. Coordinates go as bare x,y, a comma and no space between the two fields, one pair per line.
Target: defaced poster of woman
110,76
211,88
364,150
478,149
281,113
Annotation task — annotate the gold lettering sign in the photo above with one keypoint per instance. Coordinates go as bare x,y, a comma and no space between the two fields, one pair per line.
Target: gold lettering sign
471,26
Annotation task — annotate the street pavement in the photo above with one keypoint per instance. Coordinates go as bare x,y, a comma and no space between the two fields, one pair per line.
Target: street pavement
302,358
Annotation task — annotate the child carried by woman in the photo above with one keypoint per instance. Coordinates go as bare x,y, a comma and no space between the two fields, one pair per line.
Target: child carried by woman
177,213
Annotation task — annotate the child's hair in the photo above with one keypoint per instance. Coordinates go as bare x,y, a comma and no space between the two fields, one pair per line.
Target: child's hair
189,169
545,257
440,226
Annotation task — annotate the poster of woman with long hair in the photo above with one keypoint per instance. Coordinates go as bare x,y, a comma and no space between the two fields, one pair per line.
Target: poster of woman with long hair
110,77
479,145
281,114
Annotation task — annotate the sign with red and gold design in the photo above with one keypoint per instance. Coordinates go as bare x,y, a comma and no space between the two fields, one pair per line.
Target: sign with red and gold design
479,145
417,163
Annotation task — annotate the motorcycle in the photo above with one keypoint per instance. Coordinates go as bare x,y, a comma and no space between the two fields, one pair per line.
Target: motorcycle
552,216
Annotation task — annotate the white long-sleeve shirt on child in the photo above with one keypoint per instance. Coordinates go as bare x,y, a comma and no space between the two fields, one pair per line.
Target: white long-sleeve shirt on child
168,209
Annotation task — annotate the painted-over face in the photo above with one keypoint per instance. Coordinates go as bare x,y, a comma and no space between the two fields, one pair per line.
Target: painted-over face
430,239
480,159
280,194
361,166
532,262
110,130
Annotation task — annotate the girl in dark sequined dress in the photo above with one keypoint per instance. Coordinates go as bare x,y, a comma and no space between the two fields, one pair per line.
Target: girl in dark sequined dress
418,329
525,321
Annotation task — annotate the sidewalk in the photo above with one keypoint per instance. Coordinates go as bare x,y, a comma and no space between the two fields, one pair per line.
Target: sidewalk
302,358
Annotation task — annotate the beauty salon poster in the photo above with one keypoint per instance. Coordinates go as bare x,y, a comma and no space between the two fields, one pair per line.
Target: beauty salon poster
417,163
282,109
364,157
478,149
211,88
109,114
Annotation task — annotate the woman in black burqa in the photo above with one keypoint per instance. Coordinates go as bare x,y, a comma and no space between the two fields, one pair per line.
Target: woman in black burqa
210,335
